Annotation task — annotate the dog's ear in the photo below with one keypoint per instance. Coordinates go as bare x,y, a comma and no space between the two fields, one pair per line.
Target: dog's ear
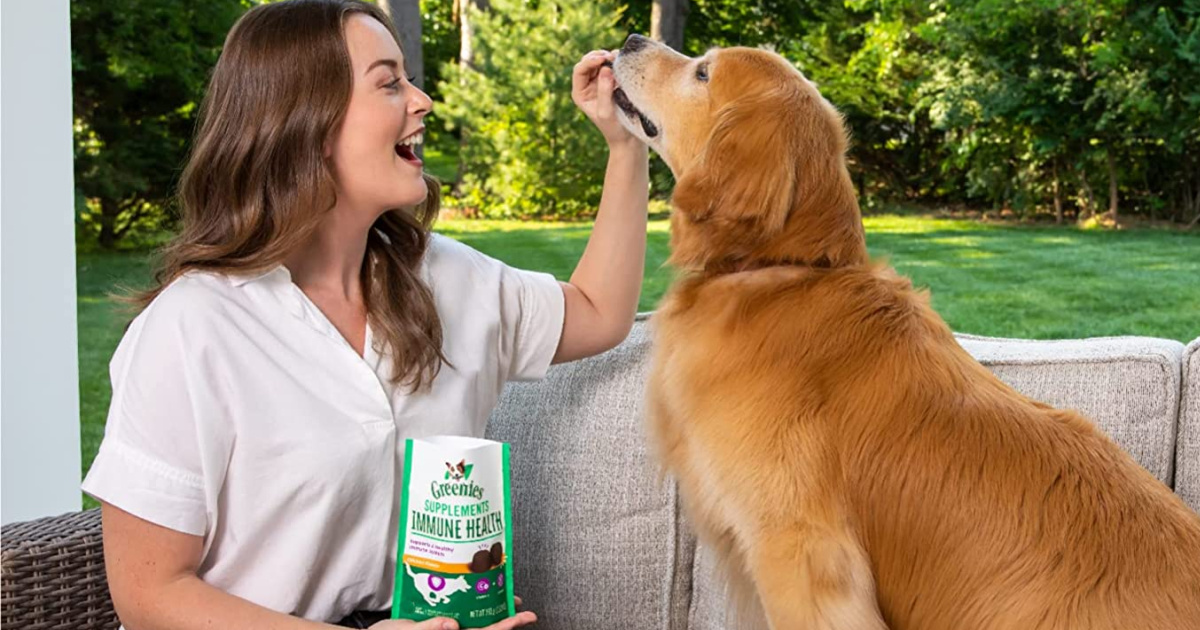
747,170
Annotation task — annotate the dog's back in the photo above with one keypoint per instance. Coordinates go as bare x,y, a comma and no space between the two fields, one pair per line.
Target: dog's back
981,508
977,507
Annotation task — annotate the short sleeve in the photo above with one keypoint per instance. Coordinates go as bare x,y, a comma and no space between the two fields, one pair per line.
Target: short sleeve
531,319
155,453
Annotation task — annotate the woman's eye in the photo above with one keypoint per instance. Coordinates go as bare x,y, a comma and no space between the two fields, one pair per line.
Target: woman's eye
412,78
394,84
702,73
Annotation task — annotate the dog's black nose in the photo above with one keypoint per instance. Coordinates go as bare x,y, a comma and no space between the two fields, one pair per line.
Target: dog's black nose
634,43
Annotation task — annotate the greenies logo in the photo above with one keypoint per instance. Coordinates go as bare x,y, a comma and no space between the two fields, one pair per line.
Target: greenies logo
460,471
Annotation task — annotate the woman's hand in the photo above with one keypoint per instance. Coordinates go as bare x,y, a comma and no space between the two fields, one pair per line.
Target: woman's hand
441,623
592,86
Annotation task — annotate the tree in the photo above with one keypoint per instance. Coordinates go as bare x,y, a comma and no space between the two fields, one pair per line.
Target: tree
440,40
667,19
406,18
531,153
466,12
1097,91
134,101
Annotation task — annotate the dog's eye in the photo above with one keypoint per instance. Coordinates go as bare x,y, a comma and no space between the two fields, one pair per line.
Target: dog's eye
702,73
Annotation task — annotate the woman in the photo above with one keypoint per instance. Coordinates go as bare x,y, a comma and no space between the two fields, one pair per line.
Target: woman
306,321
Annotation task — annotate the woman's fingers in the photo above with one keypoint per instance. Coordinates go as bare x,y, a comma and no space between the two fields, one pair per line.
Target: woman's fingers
593,83
520,619
437,623
605,85
585,71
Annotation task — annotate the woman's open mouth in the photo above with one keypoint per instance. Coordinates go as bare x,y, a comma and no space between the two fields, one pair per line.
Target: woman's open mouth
407,148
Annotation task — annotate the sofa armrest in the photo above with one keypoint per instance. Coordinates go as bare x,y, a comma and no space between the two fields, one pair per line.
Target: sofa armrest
52,574
1187,452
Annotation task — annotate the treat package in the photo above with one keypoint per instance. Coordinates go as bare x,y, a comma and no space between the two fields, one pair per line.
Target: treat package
453,557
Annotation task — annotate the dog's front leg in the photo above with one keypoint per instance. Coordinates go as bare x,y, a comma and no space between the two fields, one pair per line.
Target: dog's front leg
814,579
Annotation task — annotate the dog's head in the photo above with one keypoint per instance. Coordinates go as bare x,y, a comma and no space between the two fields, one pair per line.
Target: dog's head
758,156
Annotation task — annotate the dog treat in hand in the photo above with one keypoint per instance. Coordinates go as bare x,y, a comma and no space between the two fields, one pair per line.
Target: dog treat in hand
455,525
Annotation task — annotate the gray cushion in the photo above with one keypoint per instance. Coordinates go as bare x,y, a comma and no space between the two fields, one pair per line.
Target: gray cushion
1128,385
712,607
596,539
709,598
1187,456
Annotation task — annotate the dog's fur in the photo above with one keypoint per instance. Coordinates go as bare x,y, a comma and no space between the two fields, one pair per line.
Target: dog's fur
850,462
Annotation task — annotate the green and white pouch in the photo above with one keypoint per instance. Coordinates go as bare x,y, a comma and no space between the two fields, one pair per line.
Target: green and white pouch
453,557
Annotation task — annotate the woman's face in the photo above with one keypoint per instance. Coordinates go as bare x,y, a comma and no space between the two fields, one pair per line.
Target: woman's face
373,151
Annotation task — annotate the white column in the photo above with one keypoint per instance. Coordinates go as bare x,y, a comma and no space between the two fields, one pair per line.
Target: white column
39,374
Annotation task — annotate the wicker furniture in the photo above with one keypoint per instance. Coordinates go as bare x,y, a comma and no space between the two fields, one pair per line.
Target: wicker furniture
52,575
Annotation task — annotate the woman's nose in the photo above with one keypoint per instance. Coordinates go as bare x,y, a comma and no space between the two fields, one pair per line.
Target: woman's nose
420,104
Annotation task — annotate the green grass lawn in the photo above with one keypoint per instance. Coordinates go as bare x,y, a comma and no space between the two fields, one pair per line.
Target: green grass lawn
1028,282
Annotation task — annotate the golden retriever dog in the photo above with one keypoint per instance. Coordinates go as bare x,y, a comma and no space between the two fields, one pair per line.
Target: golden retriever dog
850,463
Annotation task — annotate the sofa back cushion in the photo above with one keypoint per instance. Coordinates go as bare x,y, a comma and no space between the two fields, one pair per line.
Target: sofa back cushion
596,540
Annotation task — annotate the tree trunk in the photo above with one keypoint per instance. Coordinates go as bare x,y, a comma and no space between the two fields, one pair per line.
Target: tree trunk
1112,186
406,17
466,59
667,18
1058,206
1191,201
1090,197
109,211
466,50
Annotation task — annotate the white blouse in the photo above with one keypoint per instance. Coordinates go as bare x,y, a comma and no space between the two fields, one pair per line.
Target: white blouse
240,414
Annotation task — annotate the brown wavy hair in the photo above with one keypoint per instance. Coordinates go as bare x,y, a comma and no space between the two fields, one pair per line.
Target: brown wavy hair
256,185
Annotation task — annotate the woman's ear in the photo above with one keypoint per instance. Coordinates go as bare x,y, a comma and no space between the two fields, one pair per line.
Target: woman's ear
747,171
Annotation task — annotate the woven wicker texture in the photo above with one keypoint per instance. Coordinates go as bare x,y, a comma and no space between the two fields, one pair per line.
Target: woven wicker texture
52,575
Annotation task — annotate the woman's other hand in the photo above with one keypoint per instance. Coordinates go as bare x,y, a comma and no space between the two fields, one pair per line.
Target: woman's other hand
441,623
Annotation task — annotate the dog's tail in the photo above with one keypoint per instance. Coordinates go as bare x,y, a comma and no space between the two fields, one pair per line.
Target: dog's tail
408,568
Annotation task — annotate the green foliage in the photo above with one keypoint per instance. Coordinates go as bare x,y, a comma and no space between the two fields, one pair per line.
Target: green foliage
138,70
440,42
528,151
1102,94
994,102
867,60
1002,103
